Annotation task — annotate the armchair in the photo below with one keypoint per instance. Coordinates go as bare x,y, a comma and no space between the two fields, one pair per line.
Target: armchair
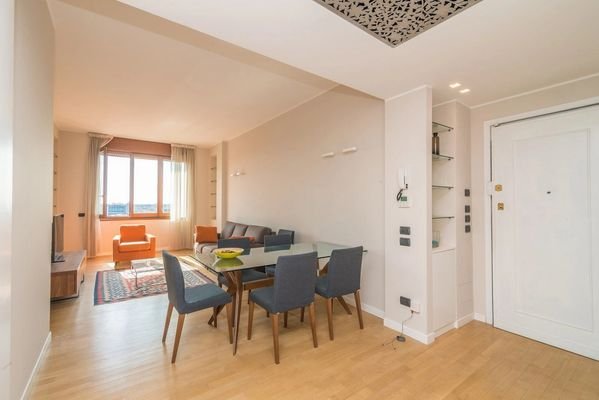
133,243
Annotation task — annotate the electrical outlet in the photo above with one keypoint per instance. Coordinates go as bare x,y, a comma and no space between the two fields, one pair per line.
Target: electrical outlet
404,230
405,201
405,242
404,301
415,307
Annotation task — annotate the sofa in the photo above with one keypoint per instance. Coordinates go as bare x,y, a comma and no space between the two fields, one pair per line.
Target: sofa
231,230
133,243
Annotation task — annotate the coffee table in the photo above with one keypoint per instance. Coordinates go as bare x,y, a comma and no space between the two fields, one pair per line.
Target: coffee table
145,266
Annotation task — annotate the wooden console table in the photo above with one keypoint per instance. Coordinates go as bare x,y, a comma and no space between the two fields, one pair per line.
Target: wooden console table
67,276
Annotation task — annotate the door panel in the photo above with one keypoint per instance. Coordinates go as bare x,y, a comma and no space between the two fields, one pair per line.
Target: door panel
545,275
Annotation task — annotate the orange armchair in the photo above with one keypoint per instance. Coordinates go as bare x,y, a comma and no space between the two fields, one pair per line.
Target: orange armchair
133,244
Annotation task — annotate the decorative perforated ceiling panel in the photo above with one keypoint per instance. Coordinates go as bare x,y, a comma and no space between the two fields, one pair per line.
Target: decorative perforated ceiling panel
396,21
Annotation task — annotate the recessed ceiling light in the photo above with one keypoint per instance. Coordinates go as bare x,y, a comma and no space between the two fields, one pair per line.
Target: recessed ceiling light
464,91
455,85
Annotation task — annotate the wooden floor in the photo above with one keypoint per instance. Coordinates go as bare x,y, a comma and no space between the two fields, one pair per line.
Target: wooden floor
114,351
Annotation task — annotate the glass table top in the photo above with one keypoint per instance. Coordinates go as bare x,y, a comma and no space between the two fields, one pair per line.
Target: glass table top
264,256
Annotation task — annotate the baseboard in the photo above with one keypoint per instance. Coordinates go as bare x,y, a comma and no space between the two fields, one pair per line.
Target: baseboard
377,312
40,357
480,317
411,332
464,320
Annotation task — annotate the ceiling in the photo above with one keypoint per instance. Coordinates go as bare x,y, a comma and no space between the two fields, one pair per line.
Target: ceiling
496,48
125,72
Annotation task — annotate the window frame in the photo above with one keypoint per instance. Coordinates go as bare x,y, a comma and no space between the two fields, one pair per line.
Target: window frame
159,214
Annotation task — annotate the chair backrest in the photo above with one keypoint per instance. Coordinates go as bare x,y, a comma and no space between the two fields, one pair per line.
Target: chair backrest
287,232
276,240
243,243
133,233
344,270
175,282
295,281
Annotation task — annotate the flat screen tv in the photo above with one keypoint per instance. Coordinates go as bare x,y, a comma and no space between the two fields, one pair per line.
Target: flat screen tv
57,238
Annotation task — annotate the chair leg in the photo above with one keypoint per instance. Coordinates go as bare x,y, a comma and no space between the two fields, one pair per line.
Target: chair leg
344,304
214,316
250,319
229,322
267,314
169,312
359,308
249,292
274,318
302,314
234,300
312,316
178,336
285,316
330,317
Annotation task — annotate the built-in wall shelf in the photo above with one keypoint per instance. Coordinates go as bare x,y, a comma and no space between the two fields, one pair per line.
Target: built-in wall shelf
444,217
441,157
440,128
442,187
441,249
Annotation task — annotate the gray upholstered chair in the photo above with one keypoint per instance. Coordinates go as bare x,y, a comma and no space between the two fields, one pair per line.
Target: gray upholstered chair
287,232
343,277
187,300
274,243
295,280
247,275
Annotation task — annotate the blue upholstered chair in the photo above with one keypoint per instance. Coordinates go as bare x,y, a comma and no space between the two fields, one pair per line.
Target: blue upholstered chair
286,232
274,243
248,275
187,300
343,277
295,280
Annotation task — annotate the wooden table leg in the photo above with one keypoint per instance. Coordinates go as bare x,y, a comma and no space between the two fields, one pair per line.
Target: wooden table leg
344,304
232,292
239,295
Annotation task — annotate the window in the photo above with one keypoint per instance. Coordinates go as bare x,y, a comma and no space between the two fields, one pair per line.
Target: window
135,186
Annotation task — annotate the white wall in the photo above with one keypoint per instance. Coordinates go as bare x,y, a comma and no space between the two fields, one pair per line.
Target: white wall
72,159
32,188
573,91
6,139
408,269
288,185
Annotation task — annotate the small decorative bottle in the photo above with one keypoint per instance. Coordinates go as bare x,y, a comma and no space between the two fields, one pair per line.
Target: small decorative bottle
436,143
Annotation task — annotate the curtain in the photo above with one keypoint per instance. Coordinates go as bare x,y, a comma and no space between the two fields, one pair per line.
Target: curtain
183,195
93,193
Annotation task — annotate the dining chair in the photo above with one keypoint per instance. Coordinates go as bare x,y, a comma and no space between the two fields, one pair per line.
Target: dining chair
274,243
342,278
190,299
295,281
287,232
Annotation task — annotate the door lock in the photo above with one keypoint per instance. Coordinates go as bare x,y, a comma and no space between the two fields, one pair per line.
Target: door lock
500,206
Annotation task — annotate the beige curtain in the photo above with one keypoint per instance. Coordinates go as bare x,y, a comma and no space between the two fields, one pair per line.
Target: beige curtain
183,195
93,199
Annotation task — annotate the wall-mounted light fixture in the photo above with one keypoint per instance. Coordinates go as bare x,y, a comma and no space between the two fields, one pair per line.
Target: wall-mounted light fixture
328,155
349,150
237,173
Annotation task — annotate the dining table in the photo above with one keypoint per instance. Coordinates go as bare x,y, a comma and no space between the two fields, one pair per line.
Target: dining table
256,257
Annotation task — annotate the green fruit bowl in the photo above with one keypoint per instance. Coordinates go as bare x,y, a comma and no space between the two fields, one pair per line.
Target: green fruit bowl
228,252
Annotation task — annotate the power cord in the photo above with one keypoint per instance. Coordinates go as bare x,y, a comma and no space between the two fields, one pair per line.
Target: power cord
398,197
399,338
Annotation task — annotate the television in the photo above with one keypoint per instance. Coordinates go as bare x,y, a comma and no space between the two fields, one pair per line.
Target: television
57,238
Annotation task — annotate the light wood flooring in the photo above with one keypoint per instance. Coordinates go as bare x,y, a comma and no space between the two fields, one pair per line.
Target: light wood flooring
114,351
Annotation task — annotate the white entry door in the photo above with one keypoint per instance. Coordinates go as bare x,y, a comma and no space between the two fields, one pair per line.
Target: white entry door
546,229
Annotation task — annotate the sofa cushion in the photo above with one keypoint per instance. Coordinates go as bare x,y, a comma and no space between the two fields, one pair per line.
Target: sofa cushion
134,246
239,230
228,230
257,232
206,234
207,248
133,233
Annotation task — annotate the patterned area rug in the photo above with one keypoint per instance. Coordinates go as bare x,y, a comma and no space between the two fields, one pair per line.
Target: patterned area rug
114,286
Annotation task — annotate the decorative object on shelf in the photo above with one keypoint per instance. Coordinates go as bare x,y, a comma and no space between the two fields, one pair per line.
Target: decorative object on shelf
228,252
436,143
436,239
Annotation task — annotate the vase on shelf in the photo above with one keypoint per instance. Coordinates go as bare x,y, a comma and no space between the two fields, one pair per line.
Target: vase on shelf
436,143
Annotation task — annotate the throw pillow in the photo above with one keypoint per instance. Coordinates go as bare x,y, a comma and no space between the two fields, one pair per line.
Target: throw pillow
206,234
